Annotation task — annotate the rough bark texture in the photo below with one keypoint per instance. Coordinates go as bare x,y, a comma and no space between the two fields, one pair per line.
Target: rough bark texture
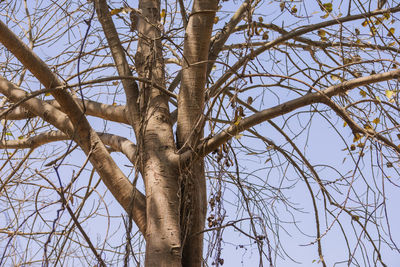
190,130
156,145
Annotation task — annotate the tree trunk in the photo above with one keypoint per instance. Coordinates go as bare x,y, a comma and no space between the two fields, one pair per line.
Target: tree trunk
156,145
194,215
190,128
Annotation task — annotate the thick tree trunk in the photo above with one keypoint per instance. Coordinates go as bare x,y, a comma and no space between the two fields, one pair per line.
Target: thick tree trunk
156,145
190,128
196,210
163,244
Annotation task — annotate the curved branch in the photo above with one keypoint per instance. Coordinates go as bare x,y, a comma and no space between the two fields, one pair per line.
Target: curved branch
93,108
217,42
117,143
18,113
36,106
34,141
290,35
131,88
305,178
304,40
318,97
120,144
83,134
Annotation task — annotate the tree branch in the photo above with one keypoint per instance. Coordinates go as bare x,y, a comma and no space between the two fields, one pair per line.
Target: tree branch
194,71
308,42
83,134
318,97
120,144
34,141
131,88
93,108
38,107
290,35
183,13
116,142
218,41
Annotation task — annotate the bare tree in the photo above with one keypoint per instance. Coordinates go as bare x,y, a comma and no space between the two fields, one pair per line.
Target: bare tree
221,117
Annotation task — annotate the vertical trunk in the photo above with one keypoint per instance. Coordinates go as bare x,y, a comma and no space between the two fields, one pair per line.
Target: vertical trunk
163,245
190,128
194,209
156,145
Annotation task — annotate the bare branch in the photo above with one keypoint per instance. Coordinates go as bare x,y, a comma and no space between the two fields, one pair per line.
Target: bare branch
120,144
290,35
85,136
130,87
38,107
117,143
308,42
93,108
183,13
34,141
270,113
218,41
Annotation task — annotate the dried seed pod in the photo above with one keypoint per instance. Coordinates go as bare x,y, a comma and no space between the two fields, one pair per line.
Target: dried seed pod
134,20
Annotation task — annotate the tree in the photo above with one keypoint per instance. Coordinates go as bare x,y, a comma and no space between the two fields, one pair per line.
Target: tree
197,96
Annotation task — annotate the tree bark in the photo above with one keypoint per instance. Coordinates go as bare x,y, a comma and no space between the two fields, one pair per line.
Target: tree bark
190,128
156,145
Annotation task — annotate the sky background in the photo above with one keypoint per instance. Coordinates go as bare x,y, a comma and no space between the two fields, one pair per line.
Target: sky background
324,141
